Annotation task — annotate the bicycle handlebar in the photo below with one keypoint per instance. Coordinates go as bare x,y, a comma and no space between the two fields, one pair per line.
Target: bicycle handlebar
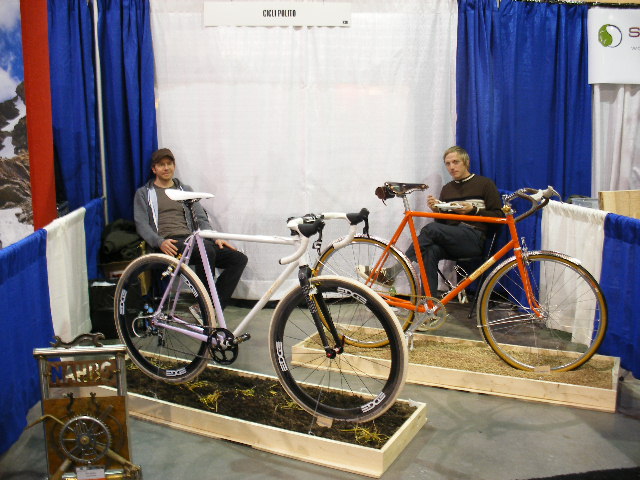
538,198
304,241
312,224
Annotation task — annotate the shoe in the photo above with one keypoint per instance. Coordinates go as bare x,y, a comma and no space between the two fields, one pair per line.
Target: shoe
383,278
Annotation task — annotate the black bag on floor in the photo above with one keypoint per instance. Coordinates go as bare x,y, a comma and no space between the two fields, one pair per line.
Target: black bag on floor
101,305
120,241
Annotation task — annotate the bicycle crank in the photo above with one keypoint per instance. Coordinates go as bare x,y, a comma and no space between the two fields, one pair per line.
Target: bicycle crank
432,317
224,346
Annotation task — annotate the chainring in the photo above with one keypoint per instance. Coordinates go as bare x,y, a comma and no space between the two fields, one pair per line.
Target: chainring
222,345
432,318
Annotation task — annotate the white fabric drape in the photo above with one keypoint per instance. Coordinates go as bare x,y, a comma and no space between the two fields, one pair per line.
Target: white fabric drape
577,232
283,121
67,271
616,138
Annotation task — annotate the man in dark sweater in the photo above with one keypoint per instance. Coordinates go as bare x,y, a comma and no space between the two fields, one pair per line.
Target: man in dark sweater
165,225
472,195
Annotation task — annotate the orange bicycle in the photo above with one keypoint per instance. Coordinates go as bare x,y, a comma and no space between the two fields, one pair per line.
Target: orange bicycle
538,310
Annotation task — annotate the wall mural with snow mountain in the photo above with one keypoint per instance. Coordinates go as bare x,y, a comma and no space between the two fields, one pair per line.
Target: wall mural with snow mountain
16,215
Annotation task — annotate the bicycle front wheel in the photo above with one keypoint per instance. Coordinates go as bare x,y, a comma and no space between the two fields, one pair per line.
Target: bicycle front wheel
348,383
558,327
356,259
155,332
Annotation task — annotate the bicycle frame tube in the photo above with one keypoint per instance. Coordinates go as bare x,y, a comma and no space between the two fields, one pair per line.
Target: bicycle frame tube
196,238
183,260
300,242
512,244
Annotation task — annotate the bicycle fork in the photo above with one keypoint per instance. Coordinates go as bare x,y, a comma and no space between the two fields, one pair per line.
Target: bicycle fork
520,251
320,314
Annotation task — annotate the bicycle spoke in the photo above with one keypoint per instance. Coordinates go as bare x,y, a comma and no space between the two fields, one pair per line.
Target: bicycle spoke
357,259
565,328
144,324
352,385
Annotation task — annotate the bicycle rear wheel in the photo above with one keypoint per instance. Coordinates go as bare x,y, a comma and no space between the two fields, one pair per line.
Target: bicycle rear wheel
559,330
162,352
357,384
356,259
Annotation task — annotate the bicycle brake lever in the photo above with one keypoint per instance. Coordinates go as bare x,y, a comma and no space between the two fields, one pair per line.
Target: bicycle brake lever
551,192
317,245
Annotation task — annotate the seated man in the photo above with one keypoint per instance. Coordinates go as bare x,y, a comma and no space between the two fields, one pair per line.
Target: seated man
165,225
452,239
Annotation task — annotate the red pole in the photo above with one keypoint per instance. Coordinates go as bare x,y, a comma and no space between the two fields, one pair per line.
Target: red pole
35,51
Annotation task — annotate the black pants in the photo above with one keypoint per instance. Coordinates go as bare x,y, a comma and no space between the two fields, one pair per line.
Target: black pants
231,262
440,241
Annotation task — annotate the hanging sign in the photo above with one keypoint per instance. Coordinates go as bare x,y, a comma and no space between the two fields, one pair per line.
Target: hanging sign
614,45
277,14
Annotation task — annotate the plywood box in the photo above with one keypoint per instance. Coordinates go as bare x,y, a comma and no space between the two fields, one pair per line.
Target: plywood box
371,462
622,202
526,387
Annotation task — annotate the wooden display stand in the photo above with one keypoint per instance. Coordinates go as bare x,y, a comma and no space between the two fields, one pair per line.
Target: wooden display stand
86,435
622,202
516,386
308,448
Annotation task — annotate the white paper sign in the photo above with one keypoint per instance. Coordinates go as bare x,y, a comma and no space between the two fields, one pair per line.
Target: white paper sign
276,14
614,45
90,473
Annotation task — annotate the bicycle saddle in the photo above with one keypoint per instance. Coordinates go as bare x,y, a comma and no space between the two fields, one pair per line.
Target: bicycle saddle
392,189
182,195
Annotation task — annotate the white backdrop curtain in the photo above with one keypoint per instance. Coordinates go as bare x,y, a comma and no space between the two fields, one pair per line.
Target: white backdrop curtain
281,121
616,138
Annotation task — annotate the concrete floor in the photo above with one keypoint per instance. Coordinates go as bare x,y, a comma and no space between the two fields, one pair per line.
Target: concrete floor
467,436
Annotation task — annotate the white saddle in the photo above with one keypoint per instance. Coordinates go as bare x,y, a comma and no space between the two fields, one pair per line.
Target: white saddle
182,195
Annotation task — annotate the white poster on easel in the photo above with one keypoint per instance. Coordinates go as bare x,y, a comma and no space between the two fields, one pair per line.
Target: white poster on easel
614,45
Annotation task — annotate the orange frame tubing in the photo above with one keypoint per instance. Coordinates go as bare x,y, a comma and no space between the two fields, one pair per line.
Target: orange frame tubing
513,244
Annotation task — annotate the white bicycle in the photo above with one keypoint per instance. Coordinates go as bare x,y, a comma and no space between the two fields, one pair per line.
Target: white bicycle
171,325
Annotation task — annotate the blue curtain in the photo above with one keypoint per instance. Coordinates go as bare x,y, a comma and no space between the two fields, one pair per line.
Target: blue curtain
128,99
73,102
619,281
129,103
93,227
524,104
27,324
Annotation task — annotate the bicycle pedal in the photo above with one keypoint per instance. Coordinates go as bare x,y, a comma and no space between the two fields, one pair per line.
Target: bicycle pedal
241,338
409,337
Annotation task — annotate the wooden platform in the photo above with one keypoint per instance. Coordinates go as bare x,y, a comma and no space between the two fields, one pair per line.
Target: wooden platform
512,383
329,453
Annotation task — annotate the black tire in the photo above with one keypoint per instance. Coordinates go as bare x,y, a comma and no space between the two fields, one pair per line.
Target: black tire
570,324
365,251
162,353
372,378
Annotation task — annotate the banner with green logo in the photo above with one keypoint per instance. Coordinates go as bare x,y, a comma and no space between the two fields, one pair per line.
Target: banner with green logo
614,45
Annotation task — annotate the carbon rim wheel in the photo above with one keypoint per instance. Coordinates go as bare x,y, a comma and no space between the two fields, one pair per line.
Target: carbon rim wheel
369,378
163,353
